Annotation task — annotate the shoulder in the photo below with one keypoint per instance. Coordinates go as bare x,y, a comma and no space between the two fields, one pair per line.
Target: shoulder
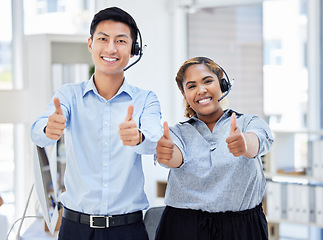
70,91
244,117
181,129
140,91
143,96
72,87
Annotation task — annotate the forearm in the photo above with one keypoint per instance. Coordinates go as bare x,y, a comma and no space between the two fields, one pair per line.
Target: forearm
177,159
252,144
38,135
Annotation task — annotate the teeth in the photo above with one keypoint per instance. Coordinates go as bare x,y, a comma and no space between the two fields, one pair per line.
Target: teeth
204,100
109,59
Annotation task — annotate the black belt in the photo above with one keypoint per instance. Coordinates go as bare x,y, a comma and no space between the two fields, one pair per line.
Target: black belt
99,221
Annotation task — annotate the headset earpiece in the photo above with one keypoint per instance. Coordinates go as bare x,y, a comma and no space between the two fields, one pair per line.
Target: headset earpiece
224,85
135,50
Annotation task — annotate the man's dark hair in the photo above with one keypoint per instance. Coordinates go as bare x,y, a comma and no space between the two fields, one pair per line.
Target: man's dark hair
118,15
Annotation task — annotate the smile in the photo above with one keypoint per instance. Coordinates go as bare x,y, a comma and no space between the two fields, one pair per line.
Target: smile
109,59
205,100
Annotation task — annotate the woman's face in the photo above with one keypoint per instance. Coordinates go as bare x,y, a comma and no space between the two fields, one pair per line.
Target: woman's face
202,91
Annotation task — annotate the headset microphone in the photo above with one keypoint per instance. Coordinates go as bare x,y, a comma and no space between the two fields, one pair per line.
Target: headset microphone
225,93
136,50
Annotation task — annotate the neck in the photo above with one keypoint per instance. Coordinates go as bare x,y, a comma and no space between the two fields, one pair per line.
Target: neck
108,85
211,120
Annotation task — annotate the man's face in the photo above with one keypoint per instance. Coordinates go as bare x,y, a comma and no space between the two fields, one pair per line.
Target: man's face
110,47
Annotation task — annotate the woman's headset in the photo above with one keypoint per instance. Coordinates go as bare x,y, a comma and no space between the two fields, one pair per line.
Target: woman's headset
225,84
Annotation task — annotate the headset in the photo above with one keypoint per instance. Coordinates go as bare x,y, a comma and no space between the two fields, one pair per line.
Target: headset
136,50
225,84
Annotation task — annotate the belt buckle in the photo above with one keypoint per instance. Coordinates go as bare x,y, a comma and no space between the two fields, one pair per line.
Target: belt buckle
92,218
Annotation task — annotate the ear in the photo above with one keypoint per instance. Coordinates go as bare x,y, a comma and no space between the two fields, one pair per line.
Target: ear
89,44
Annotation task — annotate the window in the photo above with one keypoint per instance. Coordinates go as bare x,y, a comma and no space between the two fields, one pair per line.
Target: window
50,6
5,45
7,170
57,16
285,71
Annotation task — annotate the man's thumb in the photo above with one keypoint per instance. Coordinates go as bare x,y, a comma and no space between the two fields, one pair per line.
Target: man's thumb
166,131
233,122
130,112
58,108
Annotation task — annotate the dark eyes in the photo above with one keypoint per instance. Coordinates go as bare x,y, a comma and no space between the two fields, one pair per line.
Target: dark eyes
118,41
207,81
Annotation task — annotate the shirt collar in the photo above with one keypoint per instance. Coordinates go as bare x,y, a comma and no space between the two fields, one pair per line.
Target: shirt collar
90,86
227,113
125,87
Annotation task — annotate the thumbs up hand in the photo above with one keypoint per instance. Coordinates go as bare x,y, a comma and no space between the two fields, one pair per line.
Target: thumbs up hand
167,152
128,130
165,147
236,141
56,122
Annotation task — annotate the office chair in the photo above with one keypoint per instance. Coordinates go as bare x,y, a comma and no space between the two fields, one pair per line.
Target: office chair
151,220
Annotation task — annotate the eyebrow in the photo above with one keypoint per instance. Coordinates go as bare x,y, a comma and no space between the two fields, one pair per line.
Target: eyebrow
120,35
203,79
206,77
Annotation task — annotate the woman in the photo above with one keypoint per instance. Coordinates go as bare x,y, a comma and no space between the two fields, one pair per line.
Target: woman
216,182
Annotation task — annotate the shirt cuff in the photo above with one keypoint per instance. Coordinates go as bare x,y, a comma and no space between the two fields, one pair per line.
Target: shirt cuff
38,135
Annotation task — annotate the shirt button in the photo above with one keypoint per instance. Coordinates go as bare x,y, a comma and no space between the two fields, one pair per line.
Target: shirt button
105,165
107,104
106,143
104,204
105,185
105,123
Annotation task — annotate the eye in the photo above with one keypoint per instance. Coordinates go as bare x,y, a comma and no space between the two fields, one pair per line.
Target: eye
191,86
102,39
208,81
123,41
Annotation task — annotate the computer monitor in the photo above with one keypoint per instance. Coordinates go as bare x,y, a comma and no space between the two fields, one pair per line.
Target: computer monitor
45,171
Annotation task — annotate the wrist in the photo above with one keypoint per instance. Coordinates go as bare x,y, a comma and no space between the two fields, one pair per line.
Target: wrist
141,137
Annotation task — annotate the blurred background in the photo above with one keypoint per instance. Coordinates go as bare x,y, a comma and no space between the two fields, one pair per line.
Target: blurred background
270,49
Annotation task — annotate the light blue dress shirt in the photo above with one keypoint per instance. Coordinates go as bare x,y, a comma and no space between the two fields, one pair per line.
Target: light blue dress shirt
211,179
102,175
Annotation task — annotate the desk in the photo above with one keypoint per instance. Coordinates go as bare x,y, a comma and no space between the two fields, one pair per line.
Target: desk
36,231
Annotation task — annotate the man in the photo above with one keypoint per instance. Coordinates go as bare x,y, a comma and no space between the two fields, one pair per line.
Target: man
107,125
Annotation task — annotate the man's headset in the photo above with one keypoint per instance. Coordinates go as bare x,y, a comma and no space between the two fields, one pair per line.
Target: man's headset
136,50
225,84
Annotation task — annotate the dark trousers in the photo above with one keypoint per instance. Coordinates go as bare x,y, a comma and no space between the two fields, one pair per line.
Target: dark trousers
186,224
70,230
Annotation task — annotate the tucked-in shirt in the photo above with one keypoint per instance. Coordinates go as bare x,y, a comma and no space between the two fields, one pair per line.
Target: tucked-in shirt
211,179
102,175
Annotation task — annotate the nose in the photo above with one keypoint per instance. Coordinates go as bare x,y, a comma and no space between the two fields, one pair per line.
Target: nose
111,47
202,89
